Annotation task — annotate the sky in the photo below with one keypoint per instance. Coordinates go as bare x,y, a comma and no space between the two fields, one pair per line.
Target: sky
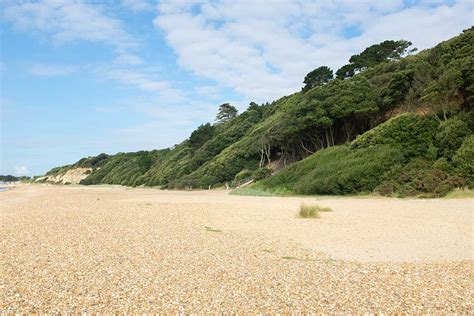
78,78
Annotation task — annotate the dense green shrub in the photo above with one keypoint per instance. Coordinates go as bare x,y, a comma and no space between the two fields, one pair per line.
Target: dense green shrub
419,177
242,175
337,170
261,173
353,171
412,133
464,160
450,136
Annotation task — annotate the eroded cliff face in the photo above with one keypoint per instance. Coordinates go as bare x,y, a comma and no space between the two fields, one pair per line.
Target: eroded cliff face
72,176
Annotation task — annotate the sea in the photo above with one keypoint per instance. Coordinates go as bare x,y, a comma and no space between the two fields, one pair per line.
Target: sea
3,189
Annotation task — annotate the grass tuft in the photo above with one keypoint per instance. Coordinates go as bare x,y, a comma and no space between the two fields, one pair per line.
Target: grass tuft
214,230
311,211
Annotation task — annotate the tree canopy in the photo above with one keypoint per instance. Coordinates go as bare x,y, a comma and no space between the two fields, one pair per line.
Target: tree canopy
225,113
374,55
201,135
318,77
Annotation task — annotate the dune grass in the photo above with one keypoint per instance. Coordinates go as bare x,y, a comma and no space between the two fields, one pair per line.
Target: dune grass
460,194
250,191
312,211
211,229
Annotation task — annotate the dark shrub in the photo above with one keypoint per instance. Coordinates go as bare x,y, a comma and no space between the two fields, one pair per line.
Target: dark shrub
463,160
412,133
261,173
450,136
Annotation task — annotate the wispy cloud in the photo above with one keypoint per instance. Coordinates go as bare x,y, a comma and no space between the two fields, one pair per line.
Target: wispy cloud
128,59
68,20
21,171
44,70
139,5
145,81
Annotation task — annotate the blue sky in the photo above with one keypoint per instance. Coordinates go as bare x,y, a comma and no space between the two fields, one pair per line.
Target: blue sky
83,77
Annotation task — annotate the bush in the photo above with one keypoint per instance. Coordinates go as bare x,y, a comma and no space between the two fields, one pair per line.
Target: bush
412,133
450,136
261,173
463,160
242,175
419,177
311,211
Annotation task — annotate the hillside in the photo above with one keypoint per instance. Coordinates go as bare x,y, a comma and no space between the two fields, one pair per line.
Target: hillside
335,136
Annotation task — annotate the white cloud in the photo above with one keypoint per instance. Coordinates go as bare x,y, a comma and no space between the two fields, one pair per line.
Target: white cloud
264,51
43,70
128,59
143,80
21,171
139,5
68,20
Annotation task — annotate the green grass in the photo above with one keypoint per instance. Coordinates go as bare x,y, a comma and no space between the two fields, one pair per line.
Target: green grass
289,258
311,211
214,230
249,191
460,193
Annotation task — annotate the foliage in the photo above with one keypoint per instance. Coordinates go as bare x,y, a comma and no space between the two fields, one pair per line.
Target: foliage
225,113
412,133
319,122
318,77
10,178
244,174
261,173
464,160
201,135
336,170
374,55
450,136
398,157
419,177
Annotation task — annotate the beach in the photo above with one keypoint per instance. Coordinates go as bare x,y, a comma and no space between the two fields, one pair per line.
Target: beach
116,249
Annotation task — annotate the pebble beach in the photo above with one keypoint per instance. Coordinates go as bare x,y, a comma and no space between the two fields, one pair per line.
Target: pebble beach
76,249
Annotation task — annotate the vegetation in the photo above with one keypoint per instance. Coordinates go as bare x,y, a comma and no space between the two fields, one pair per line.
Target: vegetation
318,77
10,178
399,157
374,55
388,124
261,173
225,113
311,211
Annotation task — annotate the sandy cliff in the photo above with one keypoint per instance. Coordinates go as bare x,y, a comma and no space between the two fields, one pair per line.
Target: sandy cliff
73,176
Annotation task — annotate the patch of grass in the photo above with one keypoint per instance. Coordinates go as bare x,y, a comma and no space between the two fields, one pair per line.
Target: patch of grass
311,211
289,258
251,192
460,194
214,230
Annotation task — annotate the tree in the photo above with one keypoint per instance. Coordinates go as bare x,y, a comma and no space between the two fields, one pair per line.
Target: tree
346,71
201,135
374,55
318,77
225,113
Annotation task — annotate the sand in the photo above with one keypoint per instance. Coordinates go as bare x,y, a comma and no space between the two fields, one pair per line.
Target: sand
112,249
